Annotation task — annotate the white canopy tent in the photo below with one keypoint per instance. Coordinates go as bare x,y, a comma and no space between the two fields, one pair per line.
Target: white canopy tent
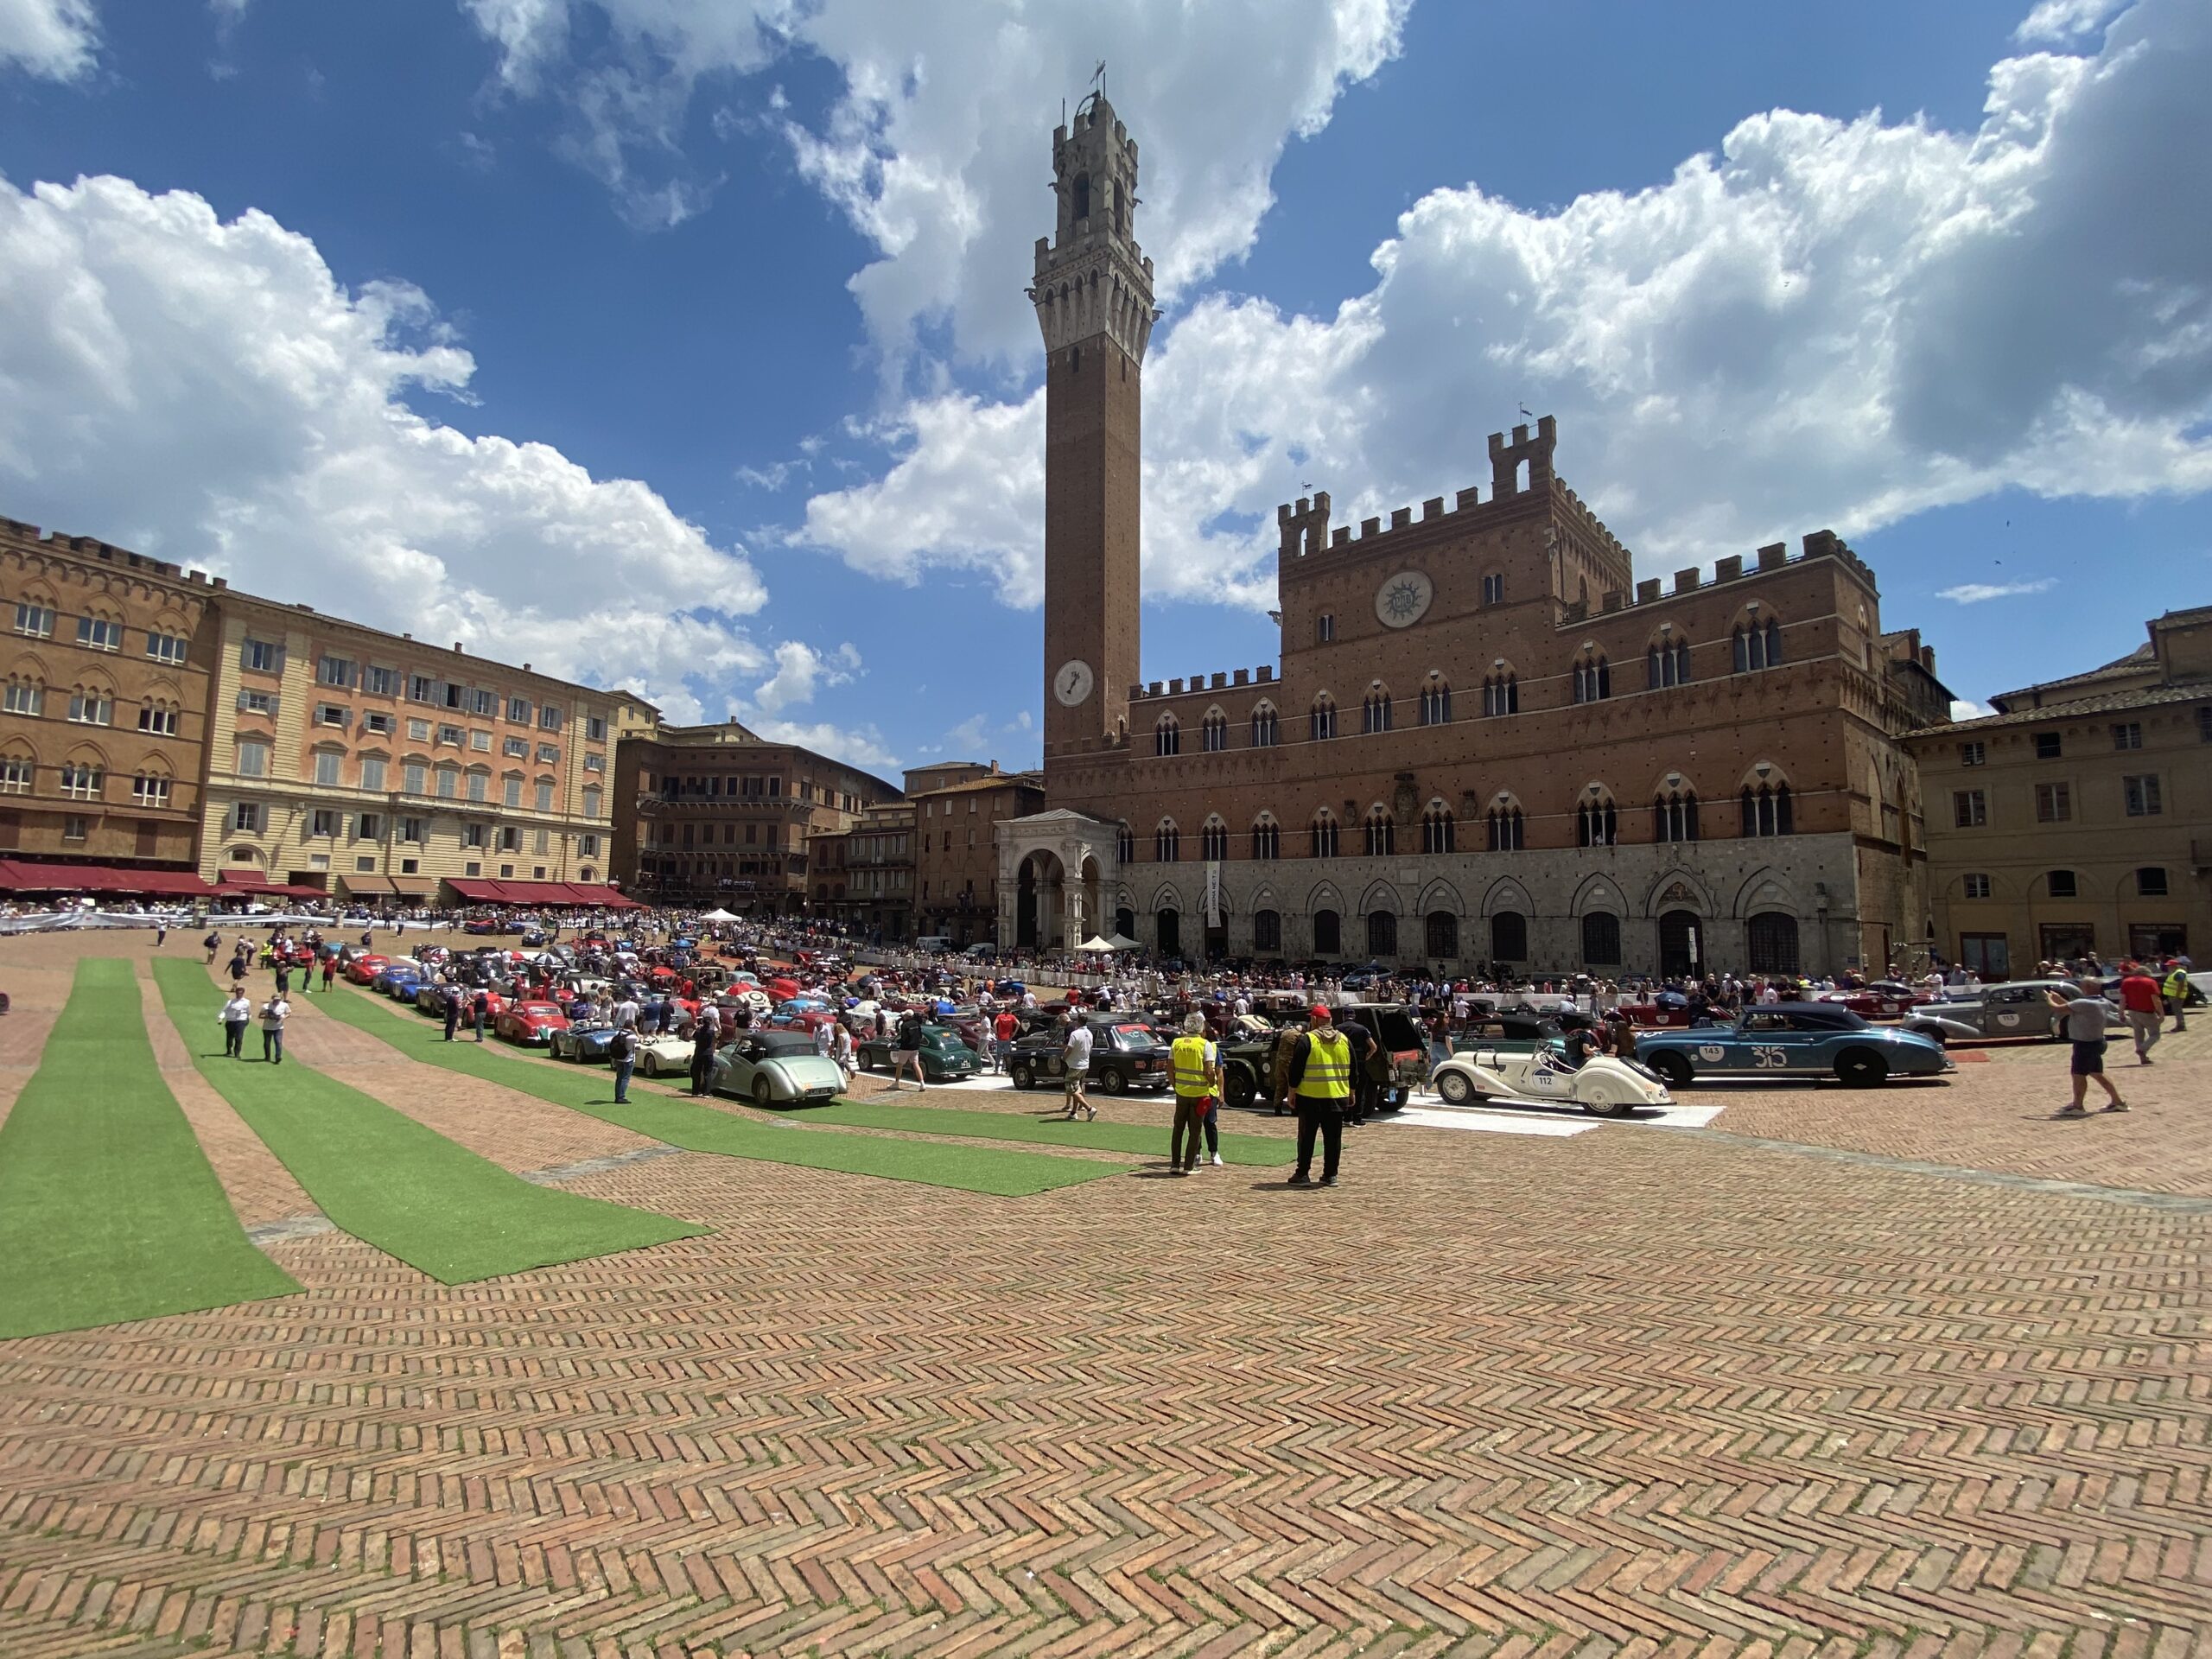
718,916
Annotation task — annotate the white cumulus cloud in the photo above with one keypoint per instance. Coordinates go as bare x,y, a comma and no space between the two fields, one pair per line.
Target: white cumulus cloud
800,671
209,392
1976,592
1823,322
56,40
936,148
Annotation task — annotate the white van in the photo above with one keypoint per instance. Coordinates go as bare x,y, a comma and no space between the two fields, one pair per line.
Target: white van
936,944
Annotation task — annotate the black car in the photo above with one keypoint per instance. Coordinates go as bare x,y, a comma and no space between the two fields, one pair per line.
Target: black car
1125,1056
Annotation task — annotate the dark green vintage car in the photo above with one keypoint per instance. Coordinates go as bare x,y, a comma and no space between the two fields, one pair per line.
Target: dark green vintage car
946,1058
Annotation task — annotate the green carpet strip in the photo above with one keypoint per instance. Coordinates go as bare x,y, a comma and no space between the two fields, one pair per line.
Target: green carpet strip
385,1178
109,1210
697,1127
1144,1139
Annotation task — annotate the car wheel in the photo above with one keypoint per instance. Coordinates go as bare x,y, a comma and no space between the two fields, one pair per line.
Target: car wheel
1023,1077
1113,1082
1237,1089
1455,1088
1861,1069
1673,1068
1608,1107
764,1092
1933,1033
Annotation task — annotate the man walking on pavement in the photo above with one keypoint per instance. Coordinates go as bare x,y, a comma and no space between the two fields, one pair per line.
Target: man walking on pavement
2085,1031
2176,993
1320,1075
2140,999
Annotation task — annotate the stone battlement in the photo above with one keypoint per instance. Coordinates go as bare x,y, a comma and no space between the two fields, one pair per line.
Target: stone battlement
1305,528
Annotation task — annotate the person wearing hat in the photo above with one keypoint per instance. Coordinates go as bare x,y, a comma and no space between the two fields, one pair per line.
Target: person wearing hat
1197,1066
1320,1075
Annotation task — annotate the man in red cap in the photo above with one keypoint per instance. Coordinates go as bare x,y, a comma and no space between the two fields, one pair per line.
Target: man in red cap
1320,1075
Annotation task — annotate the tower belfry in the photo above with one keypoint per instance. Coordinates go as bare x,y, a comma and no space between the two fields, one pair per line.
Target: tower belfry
1093,295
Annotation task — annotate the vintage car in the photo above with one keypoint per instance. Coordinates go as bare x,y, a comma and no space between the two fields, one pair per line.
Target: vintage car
431,999
361,971
482,925
399,981
1509,1031
2019,1007
665,1056
1603,1085
586,1045
773,1068
1125,1056
532,1024
1254,1064
1883,1000
946,1058
1669,1010
1793,1040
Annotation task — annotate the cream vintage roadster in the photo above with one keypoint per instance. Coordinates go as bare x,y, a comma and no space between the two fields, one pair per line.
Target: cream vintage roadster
1601,1085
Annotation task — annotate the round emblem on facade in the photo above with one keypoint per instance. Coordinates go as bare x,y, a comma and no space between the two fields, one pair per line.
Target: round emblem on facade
1402,600
1072,683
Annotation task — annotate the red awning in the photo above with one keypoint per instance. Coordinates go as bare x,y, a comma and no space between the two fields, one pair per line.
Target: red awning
18,876
262,886
563,895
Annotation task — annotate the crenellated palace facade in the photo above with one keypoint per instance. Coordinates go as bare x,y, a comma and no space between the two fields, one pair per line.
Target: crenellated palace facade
1485,740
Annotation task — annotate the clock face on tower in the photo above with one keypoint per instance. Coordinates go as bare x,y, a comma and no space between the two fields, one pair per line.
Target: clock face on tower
1402,600
1072,683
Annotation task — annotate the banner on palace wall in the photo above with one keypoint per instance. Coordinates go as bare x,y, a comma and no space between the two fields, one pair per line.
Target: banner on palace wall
1213,892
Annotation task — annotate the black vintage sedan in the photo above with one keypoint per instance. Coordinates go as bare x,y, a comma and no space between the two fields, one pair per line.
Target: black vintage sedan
1125,1057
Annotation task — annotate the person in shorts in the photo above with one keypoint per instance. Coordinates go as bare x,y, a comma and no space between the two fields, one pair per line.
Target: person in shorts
2085,1031
1077,1054
907,1051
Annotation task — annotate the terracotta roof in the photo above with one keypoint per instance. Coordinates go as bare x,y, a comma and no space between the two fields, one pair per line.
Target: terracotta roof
995,780
2141,658
2102,703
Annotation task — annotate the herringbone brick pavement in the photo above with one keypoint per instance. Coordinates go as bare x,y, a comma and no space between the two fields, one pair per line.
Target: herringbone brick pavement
1996,1114
1634,1391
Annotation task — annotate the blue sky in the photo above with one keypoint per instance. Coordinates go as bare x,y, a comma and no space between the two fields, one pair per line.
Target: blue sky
681,344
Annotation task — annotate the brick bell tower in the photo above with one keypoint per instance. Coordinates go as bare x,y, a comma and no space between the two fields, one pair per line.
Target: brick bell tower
1093,294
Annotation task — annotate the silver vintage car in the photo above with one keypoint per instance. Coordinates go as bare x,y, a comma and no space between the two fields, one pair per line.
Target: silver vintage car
2019,1007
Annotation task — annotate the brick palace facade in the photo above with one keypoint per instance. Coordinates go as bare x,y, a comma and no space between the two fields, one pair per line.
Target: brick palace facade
1485,741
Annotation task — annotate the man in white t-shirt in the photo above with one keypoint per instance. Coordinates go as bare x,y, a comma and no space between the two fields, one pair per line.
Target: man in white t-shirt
1076,1053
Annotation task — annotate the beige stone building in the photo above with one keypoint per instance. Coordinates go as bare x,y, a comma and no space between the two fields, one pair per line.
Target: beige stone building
718,815
377,767
955,841
106,661
864,877
2078,817
1484,740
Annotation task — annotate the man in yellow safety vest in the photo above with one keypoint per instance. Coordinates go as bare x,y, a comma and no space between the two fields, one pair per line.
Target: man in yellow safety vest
2175,988
1197,1066
1320,1075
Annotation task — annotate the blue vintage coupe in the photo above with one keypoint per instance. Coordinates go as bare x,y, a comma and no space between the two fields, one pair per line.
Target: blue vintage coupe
1807,1040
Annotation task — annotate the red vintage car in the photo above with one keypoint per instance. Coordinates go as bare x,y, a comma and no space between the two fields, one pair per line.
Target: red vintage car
1883,1000
362,970
1670,1013
532,1024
